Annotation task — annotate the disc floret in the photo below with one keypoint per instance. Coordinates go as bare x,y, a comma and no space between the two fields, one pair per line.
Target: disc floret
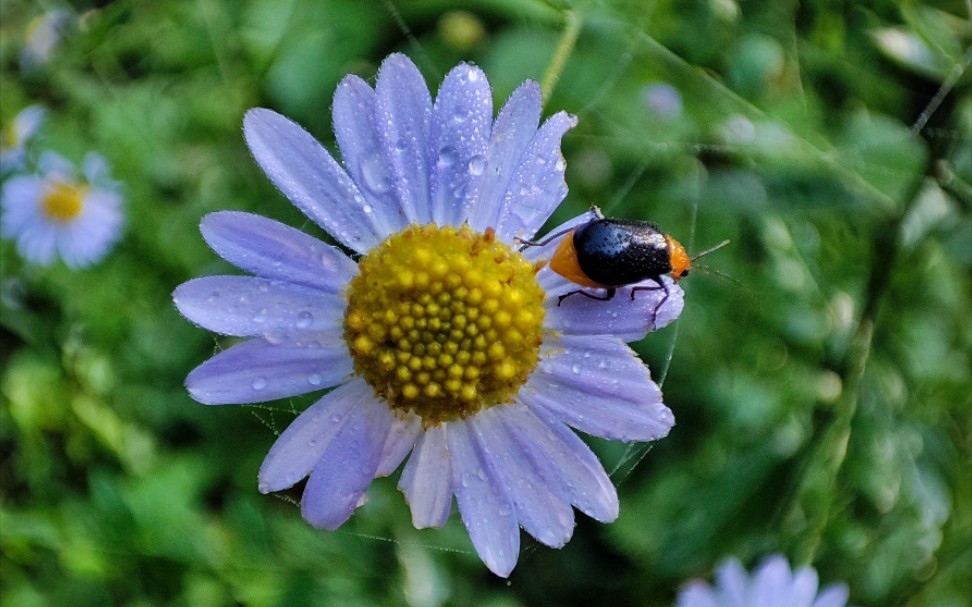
444,321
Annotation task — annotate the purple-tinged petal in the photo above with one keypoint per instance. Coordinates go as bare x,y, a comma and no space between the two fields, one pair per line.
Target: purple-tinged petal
771,583
276,251
835,595
310,178
299,448
542,506
557,453
427,479
515,127
20,198
697,594
357,137
538,184
347,467
462,118
803,588
246,306
624,317
597,384
256,371
403,110
733,583
487,511
401,438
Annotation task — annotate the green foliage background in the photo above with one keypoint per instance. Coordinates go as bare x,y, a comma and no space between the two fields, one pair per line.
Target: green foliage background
822,395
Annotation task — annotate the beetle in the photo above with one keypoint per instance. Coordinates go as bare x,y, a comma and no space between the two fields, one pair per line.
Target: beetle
612,253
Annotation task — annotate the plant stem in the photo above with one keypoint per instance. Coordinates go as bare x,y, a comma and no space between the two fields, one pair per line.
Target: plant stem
568,39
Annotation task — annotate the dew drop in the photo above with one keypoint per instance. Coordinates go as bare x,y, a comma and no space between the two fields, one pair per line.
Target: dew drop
477,165
259,383
473,76
373,174
447,156
304,319
575,369
314,379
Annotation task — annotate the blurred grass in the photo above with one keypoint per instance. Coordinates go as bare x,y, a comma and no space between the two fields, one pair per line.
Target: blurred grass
822,395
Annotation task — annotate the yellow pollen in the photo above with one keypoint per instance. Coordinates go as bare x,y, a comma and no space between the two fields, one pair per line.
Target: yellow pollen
444,321
63,201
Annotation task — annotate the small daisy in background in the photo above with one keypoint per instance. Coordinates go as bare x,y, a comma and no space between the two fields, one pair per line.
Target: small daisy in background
42,37
440,338
772,585
55,212
16,138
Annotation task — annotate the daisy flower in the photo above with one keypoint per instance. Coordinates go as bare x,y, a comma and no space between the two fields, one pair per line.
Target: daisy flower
57,213
444,343
16,136
772,585
42,37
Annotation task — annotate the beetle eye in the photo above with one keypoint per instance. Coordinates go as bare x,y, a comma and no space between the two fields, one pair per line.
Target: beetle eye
683,274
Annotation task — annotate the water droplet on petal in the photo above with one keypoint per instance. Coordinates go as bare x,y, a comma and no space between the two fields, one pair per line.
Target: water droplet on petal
477,165
304,319
373,174
447,156
314,379
575,369
259,383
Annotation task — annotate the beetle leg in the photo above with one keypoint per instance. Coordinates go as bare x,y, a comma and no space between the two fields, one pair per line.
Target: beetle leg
540,243
661,285
608,295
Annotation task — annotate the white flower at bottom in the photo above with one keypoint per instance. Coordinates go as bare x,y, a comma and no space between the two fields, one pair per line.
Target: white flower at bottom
443,342
56,213
772,585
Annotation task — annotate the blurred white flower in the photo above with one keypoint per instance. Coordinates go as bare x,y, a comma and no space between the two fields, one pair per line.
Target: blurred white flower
43,35
17,135
57,213
773,584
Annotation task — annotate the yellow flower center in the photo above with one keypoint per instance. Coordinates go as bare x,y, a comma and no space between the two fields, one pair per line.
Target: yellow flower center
62,201
444,321
9,137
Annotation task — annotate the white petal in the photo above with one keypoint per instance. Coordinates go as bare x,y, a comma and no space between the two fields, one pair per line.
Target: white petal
276,251
427,479
301,445
403,111
401,438
487,511
542,505
557,453
597,384
307,175
515,127
247,306
357,136
538,184
462,118
347,467
256,371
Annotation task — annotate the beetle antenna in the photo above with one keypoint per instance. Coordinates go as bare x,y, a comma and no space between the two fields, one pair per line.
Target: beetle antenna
711,249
